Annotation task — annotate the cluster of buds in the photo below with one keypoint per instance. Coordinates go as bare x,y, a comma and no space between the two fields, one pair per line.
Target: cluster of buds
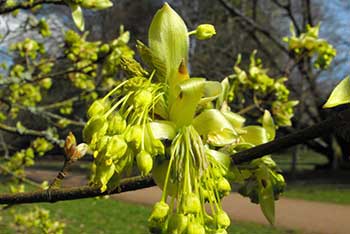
310,43
118,131
192,177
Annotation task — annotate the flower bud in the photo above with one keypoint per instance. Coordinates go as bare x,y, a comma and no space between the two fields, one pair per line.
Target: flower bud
117,125
96,125
220,231
96,4
143,98
80,151
104,48
177,223
224,186
98,107
191,204
116,147
222,219
144,162
160,212
195,228
46,83
205,31
134,134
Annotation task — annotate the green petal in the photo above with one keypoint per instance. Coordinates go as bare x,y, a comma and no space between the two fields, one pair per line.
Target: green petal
188,94
216,127
212,90
163,129
222,137
225,86
236,120
255,135
211,120
221,157
340,95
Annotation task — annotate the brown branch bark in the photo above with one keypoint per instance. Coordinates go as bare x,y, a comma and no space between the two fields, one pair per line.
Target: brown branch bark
134,183
4,8
323,128
64,194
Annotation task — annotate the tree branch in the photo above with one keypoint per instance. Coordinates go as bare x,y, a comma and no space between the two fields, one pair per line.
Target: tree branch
54,195
236,13
4,8
288,8
134,183
29,132
323,128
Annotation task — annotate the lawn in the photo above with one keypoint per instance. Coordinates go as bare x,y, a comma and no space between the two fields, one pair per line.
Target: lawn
306,160
105,216
333,193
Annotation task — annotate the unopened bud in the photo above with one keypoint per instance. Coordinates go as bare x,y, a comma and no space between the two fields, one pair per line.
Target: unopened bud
205,31
144,162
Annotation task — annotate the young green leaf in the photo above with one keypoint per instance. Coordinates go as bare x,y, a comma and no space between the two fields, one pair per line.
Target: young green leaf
269,125
265,194
168,41
340,95
77,15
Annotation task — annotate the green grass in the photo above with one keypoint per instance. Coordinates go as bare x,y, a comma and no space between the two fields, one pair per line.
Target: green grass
103,216
332,193
306,160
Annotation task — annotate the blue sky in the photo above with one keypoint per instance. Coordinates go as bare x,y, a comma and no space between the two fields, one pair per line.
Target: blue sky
335,27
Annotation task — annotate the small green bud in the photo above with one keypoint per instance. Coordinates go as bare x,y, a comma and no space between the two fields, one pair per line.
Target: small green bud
195,228
100,143
97,125
134,134
220,231
117,124
205,31
224,186
96,4
116,147
98,108
160,212
144,162
72,57
177,223
143,98
104,48
222,219
46,83
191,204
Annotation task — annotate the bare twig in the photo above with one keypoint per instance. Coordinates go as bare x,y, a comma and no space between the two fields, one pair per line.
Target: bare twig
29,132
